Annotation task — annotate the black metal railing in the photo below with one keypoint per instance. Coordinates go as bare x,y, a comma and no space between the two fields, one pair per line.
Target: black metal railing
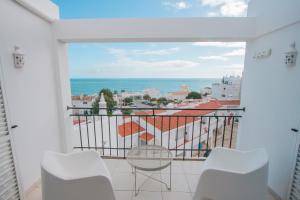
189,133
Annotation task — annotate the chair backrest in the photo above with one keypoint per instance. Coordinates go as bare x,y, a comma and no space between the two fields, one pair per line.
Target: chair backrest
75,176
236,161
229,174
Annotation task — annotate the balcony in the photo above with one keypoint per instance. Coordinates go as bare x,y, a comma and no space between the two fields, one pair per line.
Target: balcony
35,96
113,135
189,133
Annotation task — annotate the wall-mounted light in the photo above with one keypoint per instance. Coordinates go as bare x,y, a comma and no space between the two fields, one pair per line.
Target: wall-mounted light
291,55
18,58
262,54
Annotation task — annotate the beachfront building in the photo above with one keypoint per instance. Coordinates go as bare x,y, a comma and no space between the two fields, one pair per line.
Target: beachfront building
229,88
179,95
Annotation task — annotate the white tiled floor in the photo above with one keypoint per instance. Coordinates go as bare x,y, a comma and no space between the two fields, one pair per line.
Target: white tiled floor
185,175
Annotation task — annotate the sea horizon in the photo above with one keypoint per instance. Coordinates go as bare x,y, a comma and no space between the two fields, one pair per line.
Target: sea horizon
90,86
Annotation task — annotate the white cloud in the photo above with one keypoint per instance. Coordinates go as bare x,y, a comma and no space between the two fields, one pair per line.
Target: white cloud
213,14
214,2
146,52
180,5
237,52
226,8
234,9
222,58
220,44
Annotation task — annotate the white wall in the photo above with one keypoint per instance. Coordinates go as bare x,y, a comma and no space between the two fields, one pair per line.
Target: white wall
155,30
31,91
270,90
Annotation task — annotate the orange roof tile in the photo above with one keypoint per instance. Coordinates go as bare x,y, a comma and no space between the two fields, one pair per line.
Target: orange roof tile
83,98
129,128
235,102
146,136
149,112
168,123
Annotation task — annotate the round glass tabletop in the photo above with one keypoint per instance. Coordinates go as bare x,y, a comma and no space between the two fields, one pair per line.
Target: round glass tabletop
149,157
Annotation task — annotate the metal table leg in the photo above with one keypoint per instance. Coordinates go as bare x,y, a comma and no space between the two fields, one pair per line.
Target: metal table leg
135,192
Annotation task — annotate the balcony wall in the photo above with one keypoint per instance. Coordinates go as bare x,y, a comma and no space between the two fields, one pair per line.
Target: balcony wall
31,92
270,90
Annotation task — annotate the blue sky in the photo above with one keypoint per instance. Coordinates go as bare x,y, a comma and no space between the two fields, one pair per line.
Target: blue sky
153,60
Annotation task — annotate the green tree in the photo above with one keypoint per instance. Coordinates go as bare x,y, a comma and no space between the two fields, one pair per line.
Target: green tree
127,111
194,95
127,101
162,100
95,106
110,103
147,97
153,99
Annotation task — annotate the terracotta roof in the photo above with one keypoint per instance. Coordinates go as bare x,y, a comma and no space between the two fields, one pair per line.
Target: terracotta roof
76,121
179,93
147,136
82,98
235,102
128,131
168,123
149,112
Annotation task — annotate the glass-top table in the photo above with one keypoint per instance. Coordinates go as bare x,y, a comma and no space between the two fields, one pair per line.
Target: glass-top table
149,158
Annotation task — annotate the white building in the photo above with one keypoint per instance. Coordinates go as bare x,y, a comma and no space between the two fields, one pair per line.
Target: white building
179,95
126,94
83,101
229,88
206,91
152,92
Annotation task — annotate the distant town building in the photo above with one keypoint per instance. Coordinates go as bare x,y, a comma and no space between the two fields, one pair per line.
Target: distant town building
131,94
229,88
102,105
152,92
117,98
206,91
83,101
179,95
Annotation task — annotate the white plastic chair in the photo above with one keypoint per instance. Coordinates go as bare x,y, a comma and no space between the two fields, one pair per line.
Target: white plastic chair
233,175
76,176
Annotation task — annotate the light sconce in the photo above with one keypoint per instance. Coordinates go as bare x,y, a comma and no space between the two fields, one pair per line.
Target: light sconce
262,54
291,55
18,58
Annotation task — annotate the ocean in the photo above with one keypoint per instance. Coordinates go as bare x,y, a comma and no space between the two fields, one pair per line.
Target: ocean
165,85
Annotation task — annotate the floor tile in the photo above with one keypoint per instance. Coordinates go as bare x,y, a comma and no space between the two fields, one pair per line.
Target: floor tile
147,184
176,168
192,167
35,194
193,181
179,182
123,167
122,181
123,195
111,164
176,196
145,195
